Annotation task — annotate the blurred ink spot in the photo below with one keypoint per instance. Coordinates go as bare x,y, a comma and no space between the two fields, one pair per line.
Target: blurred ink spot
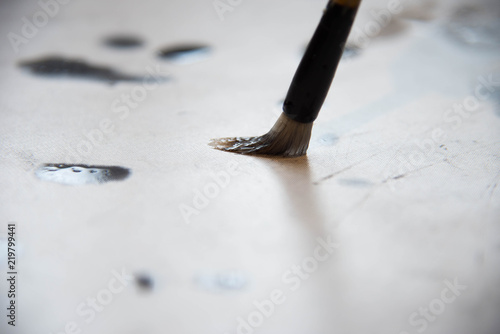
144,282
327,139
222,281
423,10
123,42
185,54
80,174
75,68
350,51
361,183
476,25
394,28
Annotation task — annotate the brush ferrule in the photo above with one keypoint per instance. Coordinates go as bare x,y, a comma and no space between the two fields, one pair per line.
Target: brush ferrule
347,3
316,70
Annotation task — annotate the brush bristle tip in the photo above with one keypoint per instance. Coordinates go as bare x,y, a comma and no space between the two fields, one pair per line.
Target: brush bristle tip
287,138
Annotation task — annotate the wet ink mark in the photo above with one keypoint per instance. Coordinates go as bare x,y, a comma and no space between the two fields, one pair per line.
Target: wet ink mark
81,174
185,54
123,42
74,68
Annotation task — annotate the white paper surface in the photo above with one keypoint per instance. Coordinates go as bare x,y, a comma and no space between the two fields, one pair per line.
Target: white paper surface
402,184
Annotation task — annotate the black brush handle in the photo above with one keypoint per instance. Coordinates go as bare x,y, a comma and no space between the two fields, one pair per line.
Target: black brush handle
317,68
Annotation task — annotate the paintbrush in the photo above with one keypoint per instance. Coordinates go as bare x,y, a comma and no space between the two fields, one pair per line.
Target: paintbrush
291,134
